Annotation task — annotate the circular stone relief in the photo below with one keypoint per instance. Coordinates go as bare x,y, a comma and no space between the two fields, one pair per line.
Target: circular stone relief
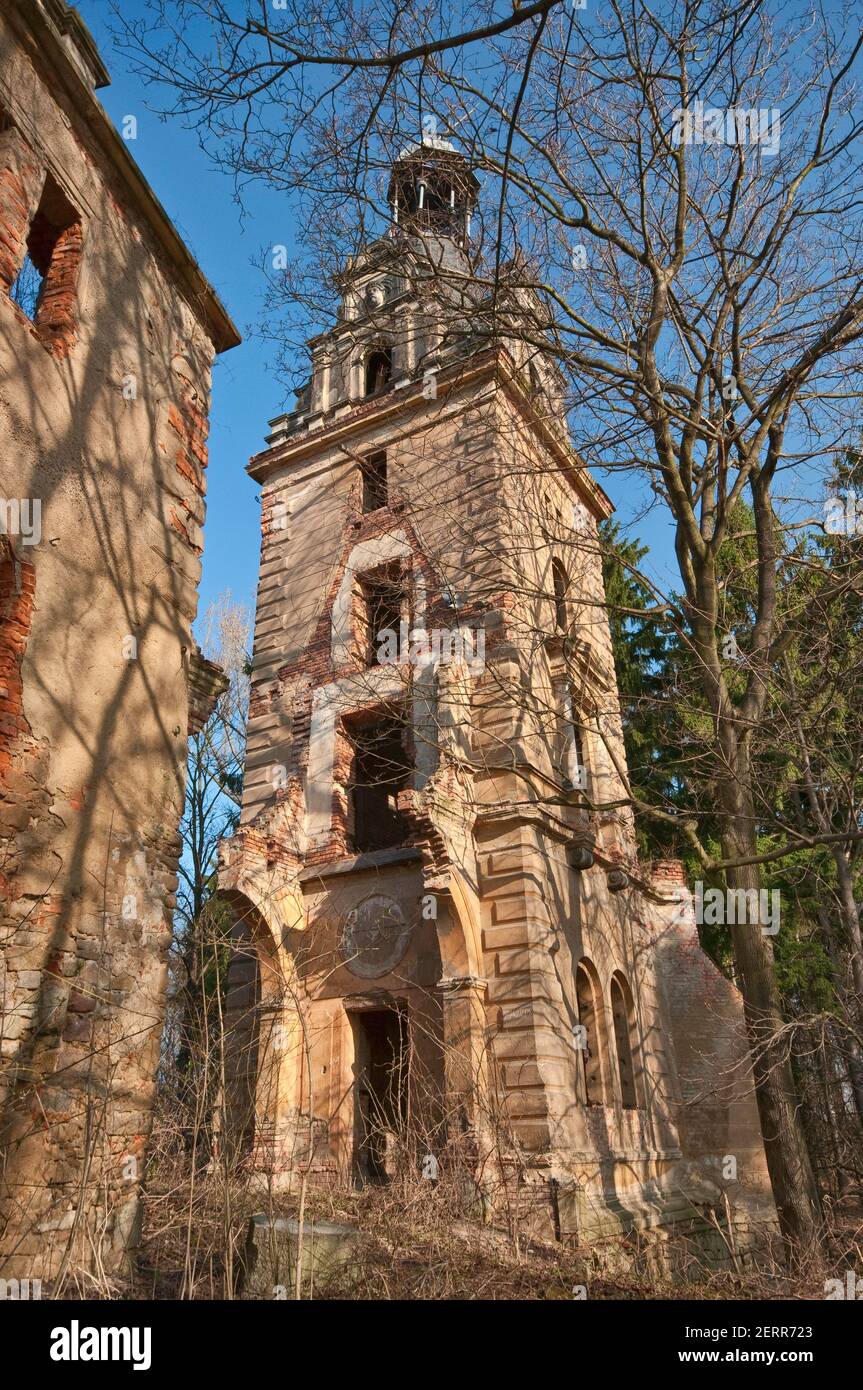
375,937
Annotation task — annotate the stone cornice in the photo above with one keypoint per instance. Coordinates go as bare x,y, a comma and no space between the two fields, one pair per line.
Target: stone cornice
45,42
492,364
207,681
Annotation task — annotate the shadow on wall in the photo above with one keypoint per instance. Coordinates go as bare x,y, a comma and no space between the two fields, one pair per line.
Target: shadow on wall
102,424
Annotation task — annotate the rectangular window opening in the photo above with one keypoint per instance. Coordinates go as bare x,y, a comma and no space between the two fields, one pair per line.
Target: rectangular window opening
384,605
374,472
382,768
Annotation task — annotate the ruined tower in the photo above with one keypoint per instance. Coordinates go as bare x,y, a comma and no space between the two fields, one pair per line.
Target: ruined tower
108,331
447,954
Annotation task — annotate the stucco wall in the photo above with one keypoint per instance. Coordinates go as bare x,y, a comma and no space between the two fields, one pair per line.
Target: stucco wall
103,428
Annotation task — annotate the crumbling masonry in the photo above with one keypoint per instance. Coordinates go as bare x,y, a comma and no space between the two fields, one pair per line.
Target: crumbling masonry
440,913
441,920
107,335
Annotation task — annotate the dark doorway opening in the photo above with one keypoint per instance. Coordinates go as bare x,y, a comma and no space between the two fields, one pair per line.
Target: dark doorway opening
380,1051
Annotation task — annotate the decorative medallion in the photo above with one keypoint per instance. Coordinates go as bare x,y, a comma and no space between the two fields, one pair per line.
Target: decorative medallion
375,937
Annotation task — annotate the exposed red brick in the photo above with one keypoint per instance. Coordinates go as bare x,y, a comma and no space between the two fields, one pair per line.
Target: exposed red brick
20,176
17,593
56,321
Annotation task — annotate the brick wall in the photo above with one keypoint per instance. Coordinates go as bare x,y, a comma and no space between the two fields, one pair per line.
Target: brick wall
104,398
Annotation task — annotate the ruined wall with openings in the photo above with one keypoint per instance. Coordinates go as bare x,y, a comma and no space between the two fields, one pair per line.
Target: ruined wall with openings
106,348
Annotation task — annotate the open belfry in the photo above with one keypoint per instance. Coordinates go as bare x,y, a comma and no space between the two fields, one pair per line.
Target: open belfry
446,951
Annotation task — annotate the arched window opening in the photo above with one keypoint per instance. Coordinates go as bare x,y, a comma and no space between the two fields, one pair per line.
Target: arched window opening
258,1032
436,197
560,580
379,369
592,1036
626,1041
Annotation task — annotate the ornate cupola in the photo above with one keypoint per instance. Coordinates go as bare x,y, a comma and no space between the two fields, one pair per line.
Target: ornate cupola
433,189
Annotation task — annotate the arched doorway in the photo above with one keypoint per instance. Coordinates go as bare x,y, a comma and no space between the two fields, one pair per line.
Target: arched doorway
254,1029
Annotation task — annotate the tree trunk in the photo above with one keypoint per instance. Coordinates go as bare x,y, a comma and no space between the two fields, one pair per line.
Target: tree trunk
791,1176
848,1047
851,919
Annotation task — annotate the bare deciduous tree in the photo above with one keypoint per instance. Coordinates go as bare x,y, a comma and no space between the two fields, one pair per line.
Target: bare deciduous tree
676,190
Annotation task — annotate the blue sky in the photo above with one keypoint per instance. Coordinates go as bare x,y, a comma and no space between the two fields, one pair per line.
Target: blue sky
226,239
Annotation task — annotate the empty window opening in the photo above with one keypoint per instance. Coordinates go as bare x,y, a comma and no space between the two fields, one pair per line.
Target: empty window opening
573,764
381,769
560,580
374,472
40,266
576,766
435,197
380,1068
379,369
26,288
592,1041
383,605
626,1041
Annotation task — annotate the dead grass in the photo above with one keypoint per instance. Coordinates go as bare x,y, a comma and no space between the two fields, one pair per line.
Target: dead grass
415,1245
